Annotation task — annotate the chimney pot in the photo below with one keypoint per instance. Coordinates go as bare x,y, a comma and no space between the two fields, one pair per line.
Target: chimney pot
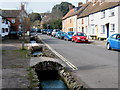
79,4
22,7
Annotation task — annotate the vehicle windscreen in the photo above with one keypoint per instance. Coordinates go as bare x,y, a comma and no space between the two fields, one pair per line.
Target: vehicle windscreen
81,34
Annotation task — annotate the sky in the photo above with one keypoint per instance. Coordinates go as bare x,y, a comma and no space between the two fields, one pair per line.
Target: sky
39,6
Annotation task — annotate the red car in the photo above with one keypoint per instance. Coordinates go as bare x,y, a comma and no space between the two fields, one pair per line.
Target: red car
79,37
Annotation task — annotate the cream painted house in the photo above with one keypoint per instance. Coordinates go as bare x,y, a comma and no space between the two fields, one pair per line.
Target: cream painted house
69,22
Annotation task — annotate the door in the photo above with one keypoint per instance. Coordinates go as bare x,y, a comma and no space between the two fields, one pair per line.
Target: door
107,26
83,29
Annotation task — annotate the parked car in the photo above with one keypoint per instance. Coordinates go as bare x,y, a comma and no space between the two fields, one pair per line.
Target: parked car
54,32
113,42
68,36
79,37
38,30
20,33
60,35
49,32
33,33
13,35
44,31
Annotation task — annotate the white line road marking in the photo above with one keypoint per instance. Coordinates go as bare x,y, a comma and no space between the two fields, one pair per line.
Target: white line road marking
60,56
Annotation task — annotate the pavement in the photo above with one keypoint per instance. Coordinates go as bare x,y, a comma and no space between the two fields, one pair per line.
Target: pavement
98,42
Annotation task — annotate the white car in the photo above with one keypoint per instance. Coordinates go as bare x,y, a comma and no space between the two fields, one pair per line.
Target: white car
54,32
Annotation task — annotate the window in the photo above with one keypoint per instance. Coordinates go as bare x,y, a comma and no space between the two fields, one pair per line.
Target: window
6,29
92,29
3,30
112,13
20,20
6,22
103,14
70,20
112,27
13,20
102,29
92,17
2,20
114,36
81,34
82,21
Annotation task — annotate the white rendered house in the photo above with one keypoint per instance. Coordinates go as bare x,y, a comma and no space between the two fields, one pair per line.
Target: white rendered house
4,27
104,23
100,20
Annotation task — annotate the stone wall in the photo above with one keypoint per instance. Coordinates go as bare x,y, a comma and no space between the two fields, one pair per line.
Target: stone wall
64,74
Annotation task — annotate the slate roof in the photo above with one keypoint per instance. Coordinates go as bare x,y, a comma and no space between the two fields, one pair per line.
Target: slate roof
88,8
70,13
98,7
10,13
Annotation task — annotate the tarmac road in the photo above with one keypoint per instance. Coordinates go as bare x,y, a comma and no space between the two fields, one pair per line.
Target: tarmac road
97,67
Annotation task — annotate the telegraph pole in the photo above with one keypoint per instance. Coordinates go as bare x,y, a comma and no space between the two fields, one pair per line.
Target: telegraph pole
23,22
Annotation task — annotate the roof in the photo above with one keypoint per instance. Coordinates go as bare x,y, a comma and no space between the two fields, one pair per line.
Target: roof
77,12
70,13
10,13
88,8
98,7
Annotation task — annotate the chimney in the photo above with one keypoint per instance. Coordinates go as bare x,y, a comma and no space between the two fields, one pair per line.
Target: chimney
71,7
79,4
22,7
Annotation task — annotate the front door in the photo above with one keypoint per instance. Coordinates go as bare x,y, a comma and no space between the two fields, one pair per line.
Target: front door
107,26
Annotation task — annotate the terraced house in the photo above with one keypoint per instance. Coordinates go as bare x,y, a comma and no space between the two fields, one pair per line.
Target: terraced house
98,18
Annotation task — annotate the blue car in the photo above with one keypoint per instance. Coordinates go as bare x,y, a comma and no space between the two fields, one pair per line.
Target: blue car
44,31
68,36
113,42
60,35
49,32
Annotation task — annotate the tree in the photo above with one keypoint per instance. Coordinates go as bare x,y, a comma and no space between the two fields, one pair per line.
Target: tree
63,7
34,17
54,19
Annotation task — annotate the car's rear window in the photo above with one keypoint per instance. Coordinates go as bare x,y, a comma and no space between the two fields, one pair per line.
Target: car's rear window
70,33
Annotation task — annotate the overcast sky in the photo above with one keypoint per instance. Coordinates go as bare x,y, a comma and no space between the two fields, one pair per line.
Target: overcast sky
39,6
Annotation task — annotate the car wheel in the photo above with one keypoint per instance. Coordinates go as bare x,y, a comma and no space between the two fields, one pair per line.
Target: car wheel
72,40
64,38
108,46
75,41
67,39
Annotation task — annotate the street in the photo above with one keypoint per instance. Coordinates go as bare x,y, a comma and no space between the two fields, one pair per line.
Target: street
97,66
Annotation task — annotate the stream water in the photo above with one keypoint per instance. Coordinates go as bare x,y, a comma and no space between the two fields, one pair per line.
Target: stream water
53,84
